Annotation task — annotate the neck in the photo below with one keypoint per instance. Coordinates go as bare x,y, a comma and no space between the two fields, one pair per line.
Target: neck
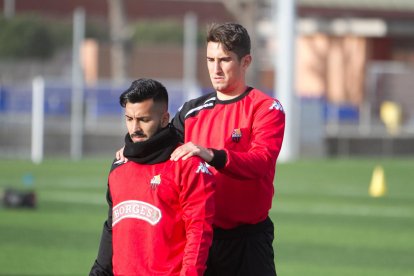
225,96
156,149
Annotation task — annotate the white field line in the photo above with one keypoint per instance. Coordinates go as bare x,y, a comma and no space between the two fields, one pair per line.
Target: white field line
73,184
349,210
286,208
73,197
337,193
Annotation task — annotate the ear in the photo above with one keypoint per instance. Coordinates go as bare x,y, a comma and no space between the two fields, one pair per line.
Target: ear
246,60
165,119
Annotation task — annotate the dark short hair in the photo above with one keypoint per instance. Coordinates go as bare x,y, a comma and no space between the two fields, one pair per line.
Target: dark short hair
144,89
234,38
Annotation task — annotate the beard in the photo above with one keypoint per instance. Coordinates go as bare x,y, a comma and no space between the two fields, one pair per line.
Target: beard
140,136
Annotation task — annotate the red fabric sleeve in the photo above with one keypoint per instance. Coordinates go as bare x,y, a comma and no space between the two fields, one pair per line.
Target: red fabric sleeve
266,142
197,203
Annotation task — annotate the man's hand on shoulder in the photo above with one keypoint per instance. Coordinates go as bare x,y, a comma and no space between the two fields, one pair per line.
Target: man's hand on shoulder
120,155
190,149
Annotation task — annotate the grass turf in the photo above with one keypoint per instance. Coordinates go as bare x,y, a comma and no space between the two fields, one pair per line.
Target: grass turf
325,221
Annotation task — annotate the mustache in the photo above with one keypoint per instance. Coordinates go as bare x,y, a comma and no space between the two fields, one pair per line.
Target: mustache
139,134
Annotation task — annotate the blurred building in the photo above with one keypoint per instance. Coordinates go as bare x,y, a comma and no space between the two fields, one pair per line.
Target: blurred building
338,41
352,56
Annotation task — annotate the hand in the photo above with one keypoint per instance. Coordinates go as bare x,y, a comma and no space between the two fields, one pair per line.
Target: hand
189,149
120,155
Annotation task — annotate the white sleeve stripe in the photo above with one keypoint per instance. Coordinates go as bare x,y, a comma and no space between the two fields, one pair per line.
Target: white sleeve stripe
206,104
197,109
211,99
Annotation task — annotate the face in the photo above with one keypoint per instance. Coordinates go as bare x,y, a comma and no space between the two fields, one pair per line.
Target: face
227,72
145,119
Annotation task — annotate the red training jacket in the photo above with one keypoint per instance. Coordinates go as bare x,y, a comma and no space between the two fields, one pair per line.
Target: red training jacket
161,217
248,132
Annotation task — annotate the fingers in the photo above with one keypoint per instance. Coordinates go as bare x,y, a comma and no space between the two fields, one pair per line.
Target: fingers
188,155
184,152
178,153
120,155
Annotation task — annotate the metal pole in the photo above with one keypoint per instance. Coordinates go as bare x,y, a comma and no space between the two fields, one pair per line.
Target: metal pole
190,57
117,25
38,96
77,85
284,76
9,8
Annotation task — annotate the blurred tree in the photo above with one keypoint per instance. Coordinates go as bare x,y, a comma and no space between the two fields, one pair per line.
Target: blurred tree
25,37
157,31
28,36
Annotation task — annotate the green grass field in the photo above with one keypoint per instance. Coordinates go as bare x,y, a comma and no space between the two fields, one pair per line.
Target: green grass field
326,223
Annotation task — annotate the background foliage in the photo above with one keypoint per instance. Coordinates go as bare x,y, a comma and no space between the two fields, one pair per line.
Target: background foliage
40,38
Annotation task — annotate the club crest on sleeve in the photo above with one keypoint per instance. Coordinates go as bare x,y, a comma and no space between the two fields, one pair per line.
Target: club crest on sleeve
202,168
155,181
236,135
276,105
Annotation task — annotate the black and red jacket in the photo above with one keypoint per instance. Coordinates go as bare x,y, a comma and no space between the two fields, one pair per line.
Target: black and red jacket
246,135
160,218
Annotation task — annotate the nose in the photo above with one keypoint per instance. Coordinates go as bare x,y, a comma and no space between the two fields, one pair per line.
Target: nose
217,66
136,126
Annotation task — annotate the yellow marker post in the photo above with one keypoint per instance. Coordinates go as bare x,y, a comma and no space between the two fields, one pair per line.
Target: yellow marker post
391,115
378,184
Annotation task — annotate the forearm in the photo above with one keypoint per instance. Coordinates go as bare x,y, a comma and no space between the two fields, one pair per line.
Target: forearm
248,165
103,263
199,237
260,155
197,203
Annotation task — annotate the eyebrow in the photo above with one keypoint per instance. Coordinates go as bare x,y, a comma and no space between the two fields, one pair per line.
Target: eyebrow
140,117
220,58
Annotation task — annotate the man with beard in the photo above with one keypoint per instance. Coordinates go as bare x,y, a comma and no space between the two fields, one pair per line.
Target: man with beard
238,130
160,211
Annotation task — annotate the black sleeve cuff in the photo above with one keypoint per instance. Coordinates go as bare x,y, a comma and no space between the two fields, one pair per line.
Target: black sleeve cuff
98,270
219,159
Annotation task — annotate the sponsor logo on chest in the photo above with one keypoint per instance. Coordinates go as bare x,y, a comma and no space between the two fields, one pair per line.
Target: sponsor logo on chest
136,209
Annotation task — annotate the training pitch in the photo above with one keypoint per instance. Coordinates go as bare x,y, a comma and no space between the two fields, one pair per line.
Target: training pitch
326,223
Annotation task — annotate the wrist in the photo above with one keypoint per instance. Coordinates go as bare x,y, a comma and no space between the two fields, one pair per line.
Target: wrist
210,155
219,158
